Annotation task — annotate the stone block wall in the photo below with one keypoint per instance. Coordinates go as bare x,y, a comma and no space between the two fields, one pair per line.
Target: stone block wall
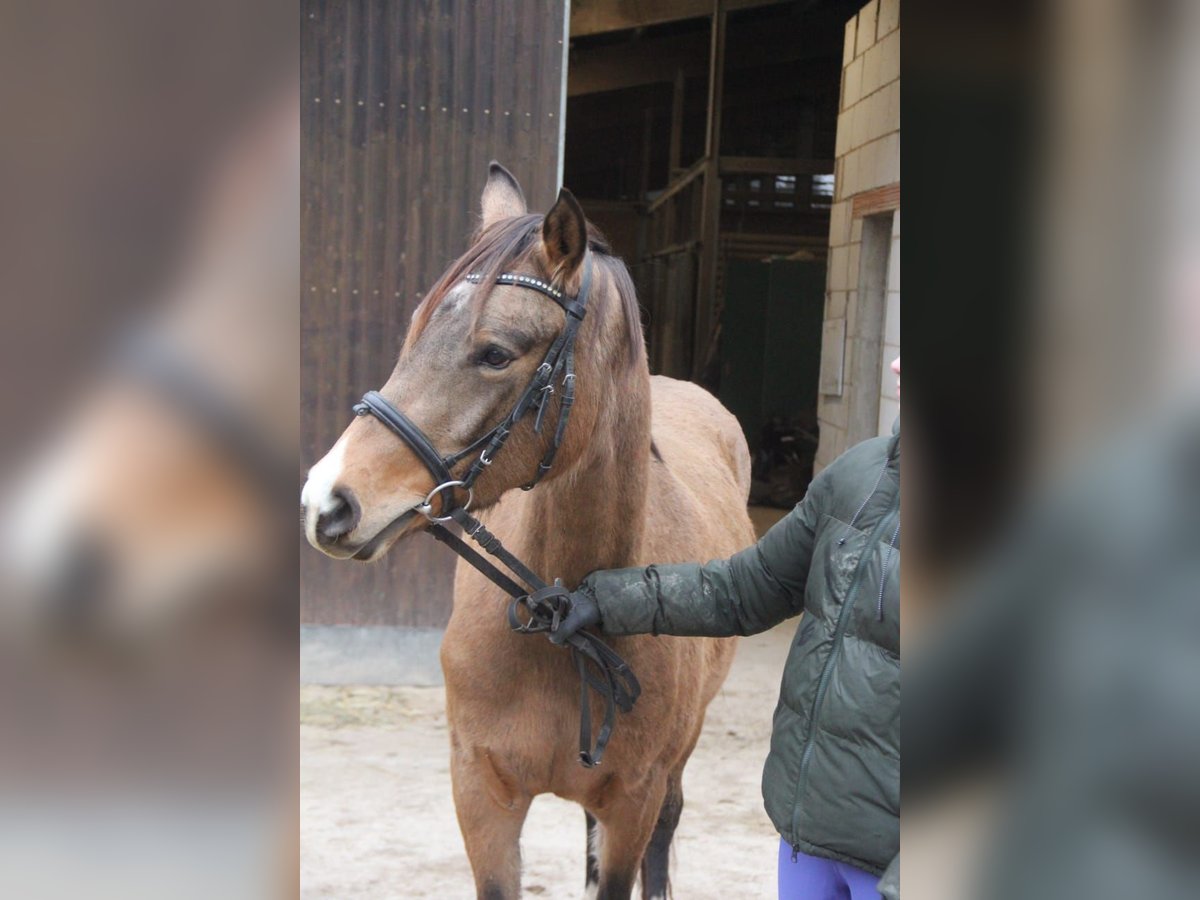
862,300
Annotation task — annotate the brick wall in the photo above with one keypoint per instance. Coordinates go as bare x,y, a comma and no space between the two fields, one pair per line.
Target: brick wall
862,300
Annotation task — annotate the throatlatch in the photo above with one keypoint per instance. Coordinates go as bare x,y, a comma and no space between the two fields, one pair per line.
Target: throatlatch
600,668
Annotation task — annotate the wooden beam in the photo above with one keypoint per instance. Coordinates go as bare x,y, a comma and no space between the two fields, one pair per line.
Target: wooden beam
770,165
682,247
655,61
710,214
592,70
694,171
735,5
617,206
675,152
647,150
602,112
600,16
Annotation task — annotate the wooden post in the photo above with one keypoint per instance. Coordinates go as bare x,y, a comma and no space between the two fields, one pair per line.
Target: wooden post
647,152
710,208
674,160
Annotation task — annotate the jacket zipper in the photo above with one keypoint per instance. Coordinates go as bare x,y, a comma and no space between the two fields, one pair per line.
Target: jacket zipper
887,559
827,670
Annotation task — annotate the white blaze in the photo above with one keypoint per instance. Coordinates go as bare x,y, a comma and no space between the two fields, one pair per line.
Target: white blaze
317,494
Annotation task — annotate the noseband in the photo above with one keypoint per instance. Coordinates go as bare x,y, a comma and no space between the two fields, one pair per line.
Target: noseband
599,667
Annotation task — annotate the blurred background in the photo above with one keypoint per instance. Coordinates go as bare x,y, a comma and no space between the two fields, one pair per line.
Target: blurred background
148,462
1053,439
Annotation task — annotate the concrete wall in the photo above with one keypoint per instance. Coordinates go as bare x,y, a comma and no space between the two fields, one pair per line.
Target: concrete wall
375,654
862,301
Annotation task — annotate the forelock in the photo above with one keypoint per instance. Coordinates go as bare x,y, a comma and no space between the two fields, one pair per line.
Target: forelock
500,245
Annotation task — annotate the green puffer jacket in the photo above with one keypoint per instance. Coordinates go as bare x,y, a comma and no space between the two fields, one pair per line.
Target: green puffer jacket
832,779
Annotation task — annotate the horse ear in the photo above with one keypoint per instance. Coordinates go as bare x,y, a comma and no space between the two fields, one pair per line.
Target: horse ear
502,197
564,236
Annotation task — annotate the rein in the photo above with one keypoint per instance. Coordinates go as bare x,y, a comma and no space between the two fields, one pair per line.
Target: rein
599,666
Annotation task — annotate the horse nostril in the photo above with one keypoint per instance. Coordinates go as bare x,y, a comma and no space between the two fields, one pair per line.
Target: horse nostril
339,520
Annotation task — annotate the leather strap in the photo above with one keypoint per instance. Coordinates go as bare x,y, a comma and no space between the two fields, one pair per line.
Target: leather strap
600,667
405,429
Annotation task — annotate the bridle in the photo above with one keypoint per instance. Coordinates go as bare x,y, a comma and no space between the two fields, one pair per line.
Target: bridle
599,667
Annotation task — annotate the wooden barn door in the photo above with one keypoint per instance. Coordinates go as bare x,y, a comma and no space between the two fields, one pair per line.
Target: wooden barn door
403,105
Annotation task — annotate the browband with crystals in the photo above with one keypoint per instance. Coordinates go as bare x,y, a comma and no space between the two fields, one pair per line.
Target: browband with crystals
524,281
572,307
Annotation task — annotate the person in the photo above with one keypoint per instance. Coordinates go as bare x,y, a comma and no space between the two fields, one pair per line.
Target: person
831,784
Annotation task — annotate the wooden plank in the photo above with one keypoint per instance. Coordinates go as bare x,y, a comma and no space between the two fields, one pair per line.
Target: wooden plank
411,107
690,174
657,59
736,5
682,247
678,92
600,16
647,150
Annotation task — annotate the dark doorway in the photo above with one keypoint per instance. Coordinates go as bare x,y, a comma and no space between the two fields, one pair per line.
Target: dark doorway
704,148
770,362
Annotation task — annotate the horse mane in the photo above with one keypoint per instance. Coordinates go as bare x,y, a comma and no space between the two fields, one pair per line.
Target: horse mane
510,243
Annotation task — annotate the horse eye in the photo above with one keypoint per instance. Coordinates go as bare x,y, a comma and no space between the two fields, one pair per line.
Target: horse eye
495,357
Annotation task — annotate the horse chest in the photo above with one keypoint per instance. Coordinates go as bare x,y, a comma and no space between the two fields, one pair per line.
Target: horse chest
510,675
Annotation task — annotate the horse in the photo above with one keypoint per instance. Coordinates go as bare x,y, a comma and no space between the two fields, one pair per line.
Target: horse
650,470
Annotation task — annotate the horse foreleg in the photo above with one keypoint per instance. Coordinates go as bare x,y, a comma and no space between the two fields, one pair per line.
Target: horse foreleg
591,884
656,863
491,811
627,823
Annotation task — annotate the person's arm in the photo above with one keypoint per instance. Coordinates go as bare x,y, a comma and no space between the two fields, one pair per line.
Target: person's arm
745,594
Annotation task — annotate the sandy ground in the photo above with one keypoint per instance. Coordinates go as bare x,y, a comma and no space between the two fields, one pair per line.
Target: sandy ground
378,819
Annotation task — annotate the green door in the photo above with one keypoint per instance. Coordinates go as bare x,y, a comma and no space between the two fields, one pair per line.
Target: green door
770,357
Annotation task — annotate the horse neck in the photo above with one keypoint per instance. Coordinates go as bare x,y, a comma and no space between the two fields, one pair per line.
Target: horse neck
591,515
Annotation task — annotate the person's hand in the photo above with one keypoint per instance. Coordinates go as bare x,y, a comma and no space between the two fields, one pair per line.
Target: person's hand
583,612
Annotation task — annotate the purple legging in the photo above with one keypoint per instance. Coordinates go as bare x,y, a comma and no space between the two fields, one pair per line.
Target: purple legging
813,878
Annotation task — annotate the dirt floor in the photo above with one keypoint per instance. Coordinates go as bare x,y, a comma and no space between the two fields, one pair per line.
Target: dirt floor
378,820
